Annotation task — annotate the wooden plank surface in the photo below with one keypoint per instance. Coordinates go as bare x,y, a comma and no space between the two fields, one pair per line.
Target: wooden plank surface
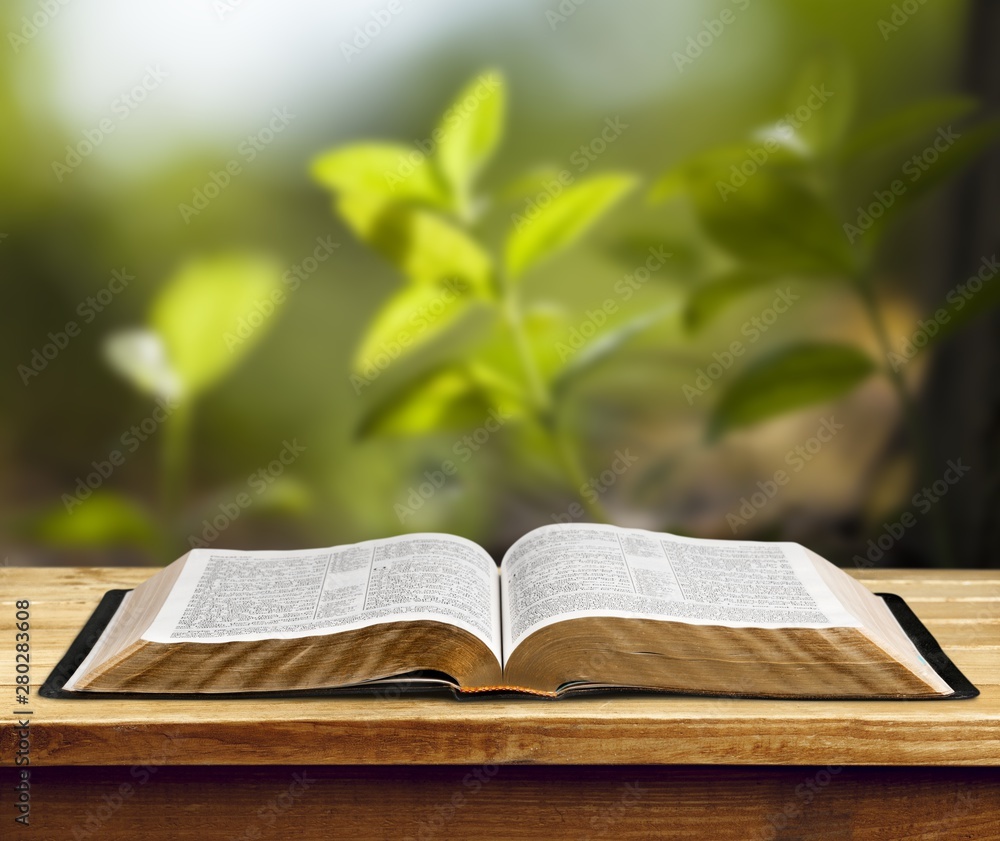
628,803
962,608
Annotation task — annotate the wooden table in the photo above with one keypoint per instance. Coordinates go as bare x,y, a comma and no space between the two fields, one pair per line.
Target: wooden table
623,768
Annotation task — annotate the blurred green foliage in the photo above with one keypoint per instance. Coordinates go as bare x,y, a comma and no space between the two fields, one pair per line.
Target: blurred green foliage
776,208
202,323
773,210
419,208
436,254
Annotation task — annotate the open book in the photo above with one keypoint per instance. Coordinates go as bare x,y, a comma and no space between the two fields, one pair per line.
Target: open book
571,608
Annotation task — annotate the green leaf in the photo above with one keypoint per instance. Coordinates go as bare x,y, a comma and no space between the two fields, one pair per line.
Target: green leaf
101,520
907,125
796,376
502,389
425,247
773,222
546,326
212,312
710,299
285,496
672,184
824,93
563,220
673,255
723,164
444,399
140,356
469,133
409,319
607,344
966,305
924,177
497,364
382,172
531,182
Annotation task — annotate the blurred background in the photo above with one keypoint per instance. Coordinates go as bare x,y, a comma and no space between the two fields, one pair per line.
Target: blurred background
302,274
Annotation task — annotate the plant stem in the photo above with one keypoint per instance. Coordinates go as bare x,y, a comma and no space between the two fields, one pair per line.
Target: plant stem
919,439
574,471
540,394
175,454
544,405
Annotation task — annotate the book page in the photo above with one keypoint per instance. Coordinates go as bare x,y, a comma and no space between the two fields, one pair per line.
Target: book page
225,595
566,571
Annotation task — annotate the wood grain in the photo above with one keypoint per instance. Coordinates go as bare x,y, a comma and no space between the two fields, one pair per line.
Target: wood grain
962,608
494,801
